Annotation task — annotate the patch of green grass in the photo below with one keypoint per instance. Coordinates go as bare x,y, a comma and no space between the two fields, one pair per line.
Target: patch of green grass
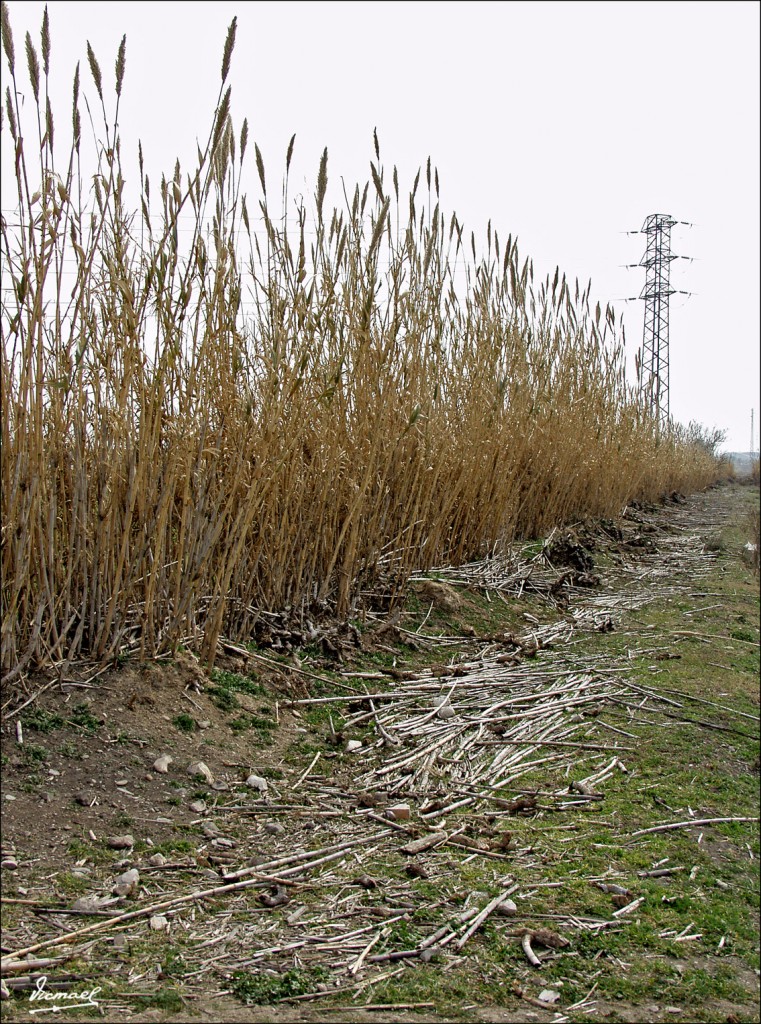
33,754
40,720
301,749
261,989
184,846
173,963
380,659
224,699
236,682
531,549
225,686
401,935
487,974
319,716
82,716
165,998
744,634
80,849
184,722
68,883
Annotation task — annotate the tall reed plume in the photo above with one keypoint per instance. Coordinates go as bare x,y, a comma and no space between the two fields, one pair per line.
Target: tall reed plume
256,417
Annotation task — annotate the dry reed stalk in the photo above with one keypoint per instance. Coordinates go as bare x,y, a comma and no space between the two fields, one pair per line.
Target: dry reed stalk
172,468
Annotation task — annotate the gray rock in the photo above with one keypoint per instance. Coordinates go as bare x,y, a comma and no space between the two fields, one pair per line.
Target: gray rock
93,904
507,909
201,771
125,842
128,883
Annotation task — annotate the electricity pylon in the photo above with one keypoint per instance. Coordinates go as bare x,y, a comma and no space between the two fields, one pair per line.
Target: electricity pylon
654,364
653,361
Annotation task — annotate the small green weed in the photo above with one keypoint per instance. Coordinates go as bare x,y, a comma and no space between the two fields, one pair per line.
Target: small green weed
70,883
33,754
223,698
236,682
174,846
262,725
82,717
40,720
743,634
165,998
79,849
263,989
174,965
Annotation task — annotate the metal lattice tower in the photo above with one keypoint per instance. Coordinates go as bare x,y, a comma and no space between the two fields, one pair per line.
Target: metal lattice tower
654,364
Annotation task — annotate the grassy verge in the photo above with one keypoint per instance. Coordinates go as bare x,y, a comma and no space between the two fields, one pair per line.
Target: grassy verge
693,940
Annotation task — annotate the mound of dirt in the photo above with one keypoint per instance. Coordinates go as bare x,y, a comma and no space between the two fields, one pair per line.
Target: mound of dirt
567,549
85,761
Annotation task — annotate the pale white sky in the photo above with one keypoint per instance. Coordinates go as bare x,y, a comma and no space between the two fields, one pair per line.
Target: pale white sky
565,123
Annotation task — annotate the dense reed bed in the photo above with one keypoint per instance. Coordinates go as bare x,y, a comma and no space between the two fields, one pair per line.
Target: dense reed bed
175,461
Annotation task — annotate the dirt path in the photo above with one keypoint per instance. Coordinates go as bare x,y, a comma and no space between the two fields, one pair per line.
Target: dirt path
520,745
